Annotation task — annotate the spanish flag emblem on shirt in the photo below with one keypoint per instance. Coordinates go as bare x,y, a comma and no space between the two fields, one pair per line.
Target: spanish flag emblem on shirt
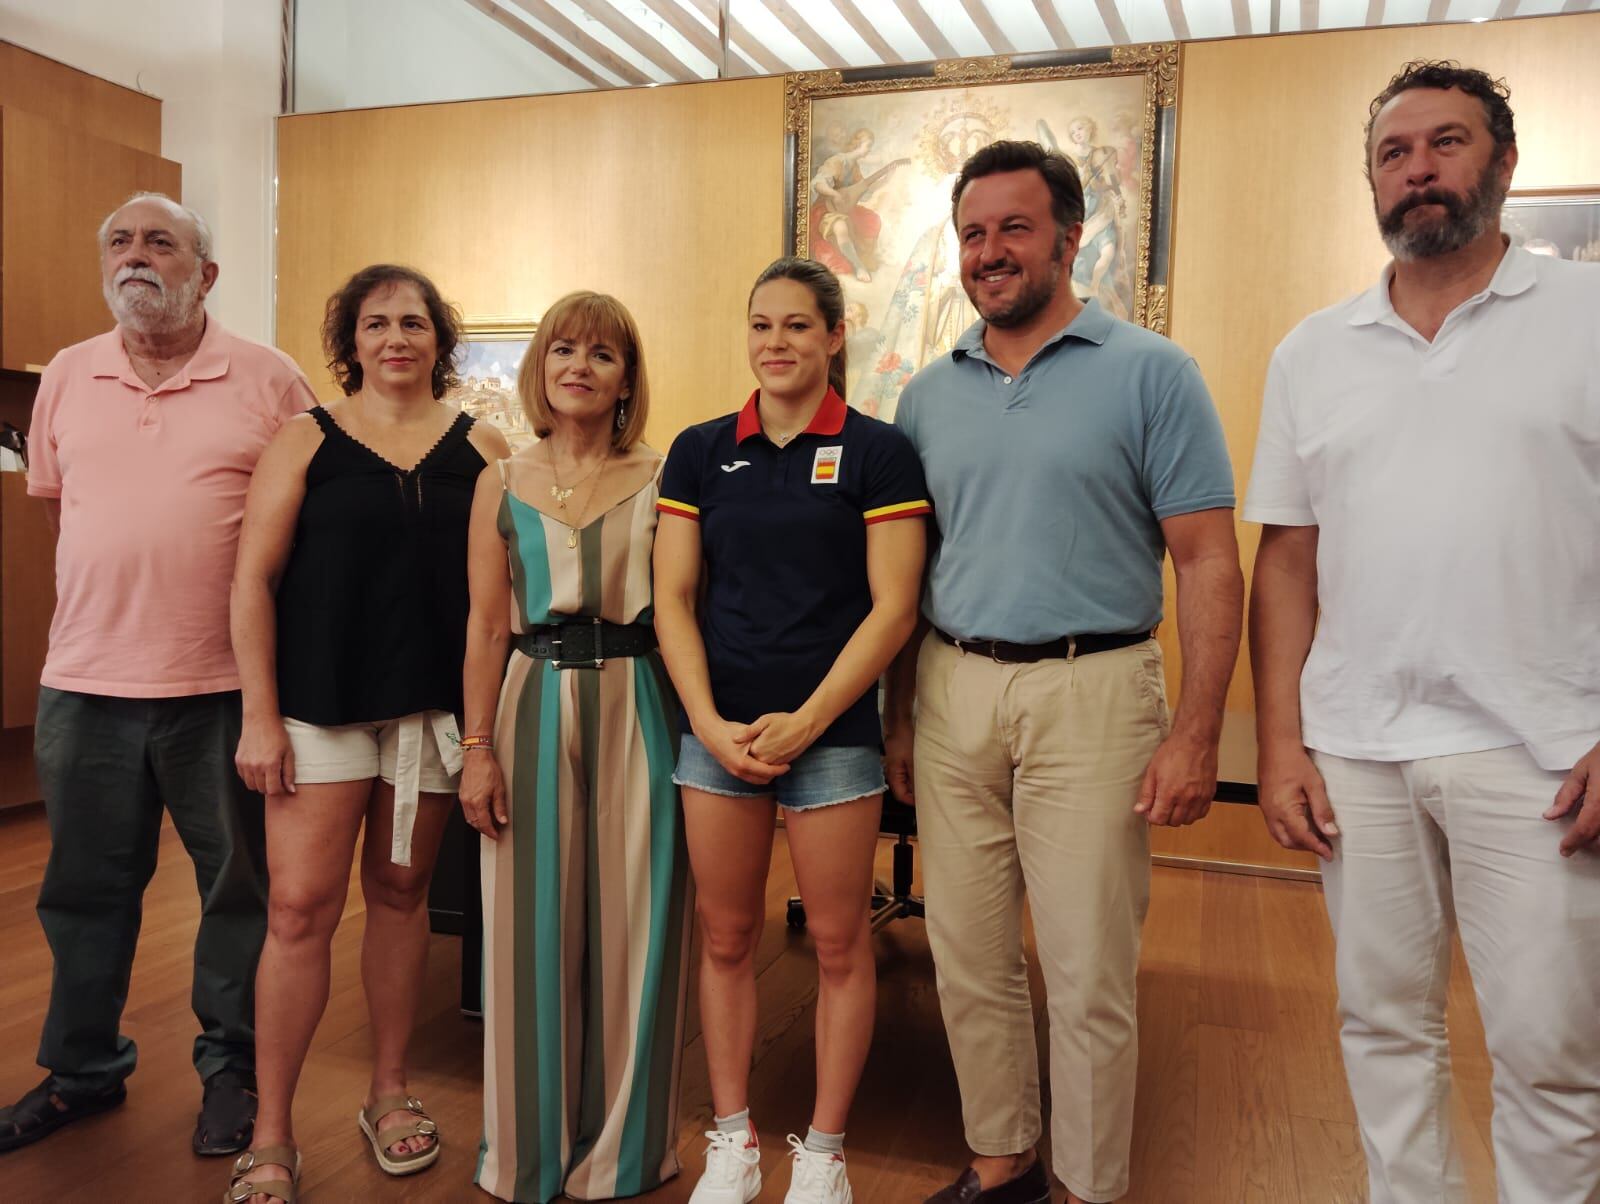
825,468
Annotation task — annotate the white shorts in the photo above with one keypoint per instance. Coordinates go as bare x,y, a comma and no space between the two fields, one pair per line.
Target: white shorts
353,752
416,754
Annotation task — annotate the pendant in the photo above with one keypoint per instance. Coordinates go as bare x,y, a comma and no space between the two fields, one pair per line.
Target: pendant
561,495
572,537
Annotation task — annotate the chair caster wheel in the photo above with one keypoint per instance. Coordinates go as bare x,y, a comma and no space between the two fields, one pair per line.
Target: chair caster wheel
796,915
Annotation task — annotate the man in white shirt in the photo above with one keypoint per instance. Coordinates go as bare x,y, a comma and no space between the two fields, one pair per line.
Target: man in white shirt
1428,473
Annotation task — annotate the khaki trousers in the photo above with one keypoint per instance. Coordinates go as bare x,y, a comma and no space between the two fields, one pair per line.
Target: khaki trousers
1026,778
1428,845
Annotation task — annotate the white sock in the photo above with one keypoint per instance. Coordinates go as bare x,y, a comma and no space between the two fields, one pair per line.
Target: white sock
739,1122
824,1143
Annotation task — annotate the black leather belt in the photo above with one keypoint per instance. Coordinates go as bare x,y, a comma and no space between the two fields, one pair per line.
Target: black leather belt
585,643
1066,648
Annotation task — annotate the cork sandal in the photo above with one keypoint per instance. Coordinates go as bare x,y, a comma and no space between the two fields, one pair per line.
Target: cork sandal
241,1189
420,1125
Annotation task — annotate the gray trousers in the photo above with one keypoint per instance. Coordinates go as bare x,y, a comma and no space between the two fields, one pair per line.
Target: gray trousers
107,767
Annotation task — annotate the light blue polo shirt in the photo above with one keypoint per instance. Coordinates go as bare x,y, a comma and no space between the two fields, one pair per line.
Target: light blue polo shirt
1048,488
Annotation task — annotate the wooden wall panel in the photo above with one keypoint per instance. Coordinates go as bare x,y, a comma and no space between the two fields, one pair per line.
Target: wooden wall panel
85,102
1274,221
1274,218
27,598
59,183
669,198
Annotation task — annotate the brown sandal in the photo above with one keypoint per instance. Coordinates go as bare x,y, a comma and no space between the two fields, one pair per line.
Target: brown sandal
421,1125
241,1189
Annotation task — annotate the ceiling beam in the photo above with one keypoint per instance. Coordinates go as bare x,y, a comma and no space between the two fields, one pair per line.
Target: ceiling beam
621,25
868,34
541,43
697,35
1116,27
1437,10
553,19
749,49
917,17
1179,19
753,50
988,27
1241,18
1375,13
1056,26
1310,14
807,37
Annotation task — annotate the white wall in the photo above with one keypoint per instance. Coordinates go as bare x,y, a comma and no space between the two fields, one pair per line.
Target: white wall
215,66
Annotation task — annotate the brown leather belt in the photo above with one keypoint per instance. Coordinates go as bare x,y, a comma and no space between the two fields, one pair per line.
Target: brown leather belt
1066,648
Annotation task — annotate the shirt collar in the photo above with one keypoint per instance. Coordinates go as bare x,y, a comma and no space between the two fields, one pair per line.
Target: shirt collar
828,420
209,361
1516,273
1092,325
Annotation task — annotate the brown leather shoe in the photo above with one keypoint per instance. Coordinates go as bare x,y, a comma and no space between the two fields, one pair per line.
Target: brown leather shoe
1030,1187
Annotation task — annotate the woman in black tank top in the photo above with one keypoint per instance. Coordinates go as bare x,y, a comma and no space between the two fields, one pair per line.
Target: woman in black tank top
349,626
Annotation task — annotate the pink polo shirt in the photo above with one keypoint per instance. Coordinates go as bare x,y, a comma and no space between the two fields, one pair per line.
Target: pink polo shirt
152,485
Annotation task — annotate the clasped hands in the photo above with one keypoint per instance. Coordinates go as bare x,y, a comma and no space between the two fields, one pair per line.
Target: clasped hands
762,750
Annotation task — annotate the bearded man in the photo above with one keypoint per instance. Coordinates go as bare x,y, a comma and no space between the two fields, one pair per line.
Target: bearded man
143,441
1066,451
1425,635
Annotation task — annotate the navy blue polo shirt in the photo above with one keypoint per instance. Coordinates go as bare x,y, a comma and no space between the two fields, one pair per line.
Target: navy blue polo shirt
784,534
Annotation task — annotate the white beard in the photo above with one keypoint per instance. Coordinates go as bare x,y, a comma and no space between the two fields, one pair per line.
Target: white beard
158,310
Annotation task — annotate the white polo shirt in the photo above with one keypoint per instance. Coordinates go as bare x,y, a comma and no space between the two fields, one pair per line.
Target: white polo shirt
1456,488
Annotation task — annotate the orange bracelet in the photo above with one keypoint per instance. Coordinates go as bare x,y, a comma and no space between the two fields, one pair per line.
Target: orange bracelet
485,742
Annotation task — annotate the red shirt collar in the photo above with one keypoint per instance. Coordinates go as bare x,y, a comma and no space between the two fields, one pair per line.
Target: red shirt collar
828,420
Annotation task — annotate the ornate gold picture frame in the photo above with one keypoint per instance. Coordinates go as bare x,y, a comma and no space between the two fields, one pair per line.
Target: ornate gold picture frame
872,158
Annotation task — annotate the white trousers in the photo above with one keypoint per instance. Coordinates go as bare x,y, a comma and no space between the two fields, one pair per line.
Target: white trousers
1426,846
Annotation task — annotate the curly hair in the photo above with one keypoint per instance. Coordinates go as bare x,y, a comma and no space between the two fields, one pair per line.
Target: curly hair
344,307
1445,74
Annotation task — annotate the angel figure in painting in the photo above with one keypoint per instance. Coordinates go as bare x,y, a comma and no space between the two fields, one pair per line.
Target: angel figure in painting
844,231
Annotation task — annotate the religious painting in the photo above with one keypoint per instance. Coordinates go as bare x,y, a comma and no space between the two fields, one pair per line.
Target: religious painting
1563,222
487,362
874,160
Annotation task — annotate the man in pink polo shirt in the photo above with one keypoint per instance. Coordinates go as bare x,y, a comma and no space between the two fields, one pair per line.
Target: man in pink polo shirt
143,442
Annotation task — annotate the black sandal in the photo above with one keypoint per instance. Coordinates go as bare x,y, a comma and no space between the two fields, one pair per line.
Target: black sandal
227,1119
47,1108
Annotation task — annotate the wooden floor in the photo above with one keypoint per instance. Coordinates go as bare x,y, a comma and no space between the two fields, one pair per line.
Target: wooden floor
1241,1093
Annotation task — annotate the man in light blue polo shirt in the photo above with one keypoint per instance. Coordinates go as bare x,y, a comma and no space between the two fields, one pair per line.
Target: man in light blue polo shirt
1066,452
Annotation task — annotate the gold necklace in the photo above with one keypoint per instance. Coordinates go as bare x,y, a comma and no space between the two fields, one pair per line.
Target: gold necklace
561,495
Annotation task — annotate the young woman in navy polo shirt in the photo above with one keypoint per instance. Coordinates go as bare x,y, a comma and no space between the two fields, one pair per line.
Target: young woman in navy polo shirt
784,512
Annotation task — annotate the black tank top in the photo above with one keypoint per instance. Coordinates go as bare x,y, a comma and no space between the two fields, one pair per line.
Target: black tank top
372,608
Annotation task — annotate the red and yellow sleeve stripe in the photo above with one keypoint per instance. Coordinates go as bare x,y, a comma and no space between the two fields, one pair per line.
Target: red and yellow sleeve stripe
681,509
883,514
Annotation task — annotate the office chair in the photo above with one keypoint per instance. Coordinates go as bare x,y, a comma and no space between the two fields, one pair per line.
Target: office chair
892,900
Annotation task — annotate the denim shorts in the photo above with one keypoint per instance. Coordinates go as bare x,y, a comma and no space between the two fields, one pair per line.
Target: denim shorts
822,775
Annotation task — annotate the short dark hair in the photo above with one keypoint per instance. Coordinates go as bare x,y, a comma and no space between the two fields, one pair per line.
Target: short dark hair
1060,176
825,290
1444,74
339,325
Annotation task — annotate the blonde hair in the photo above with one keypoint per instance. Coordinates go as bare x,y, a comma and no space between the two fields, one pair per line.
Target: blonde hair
587,317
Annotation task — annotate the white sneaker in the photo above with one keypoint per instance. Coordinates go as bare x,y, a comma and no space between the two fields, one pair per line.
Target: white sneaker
817,1177
733,1169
